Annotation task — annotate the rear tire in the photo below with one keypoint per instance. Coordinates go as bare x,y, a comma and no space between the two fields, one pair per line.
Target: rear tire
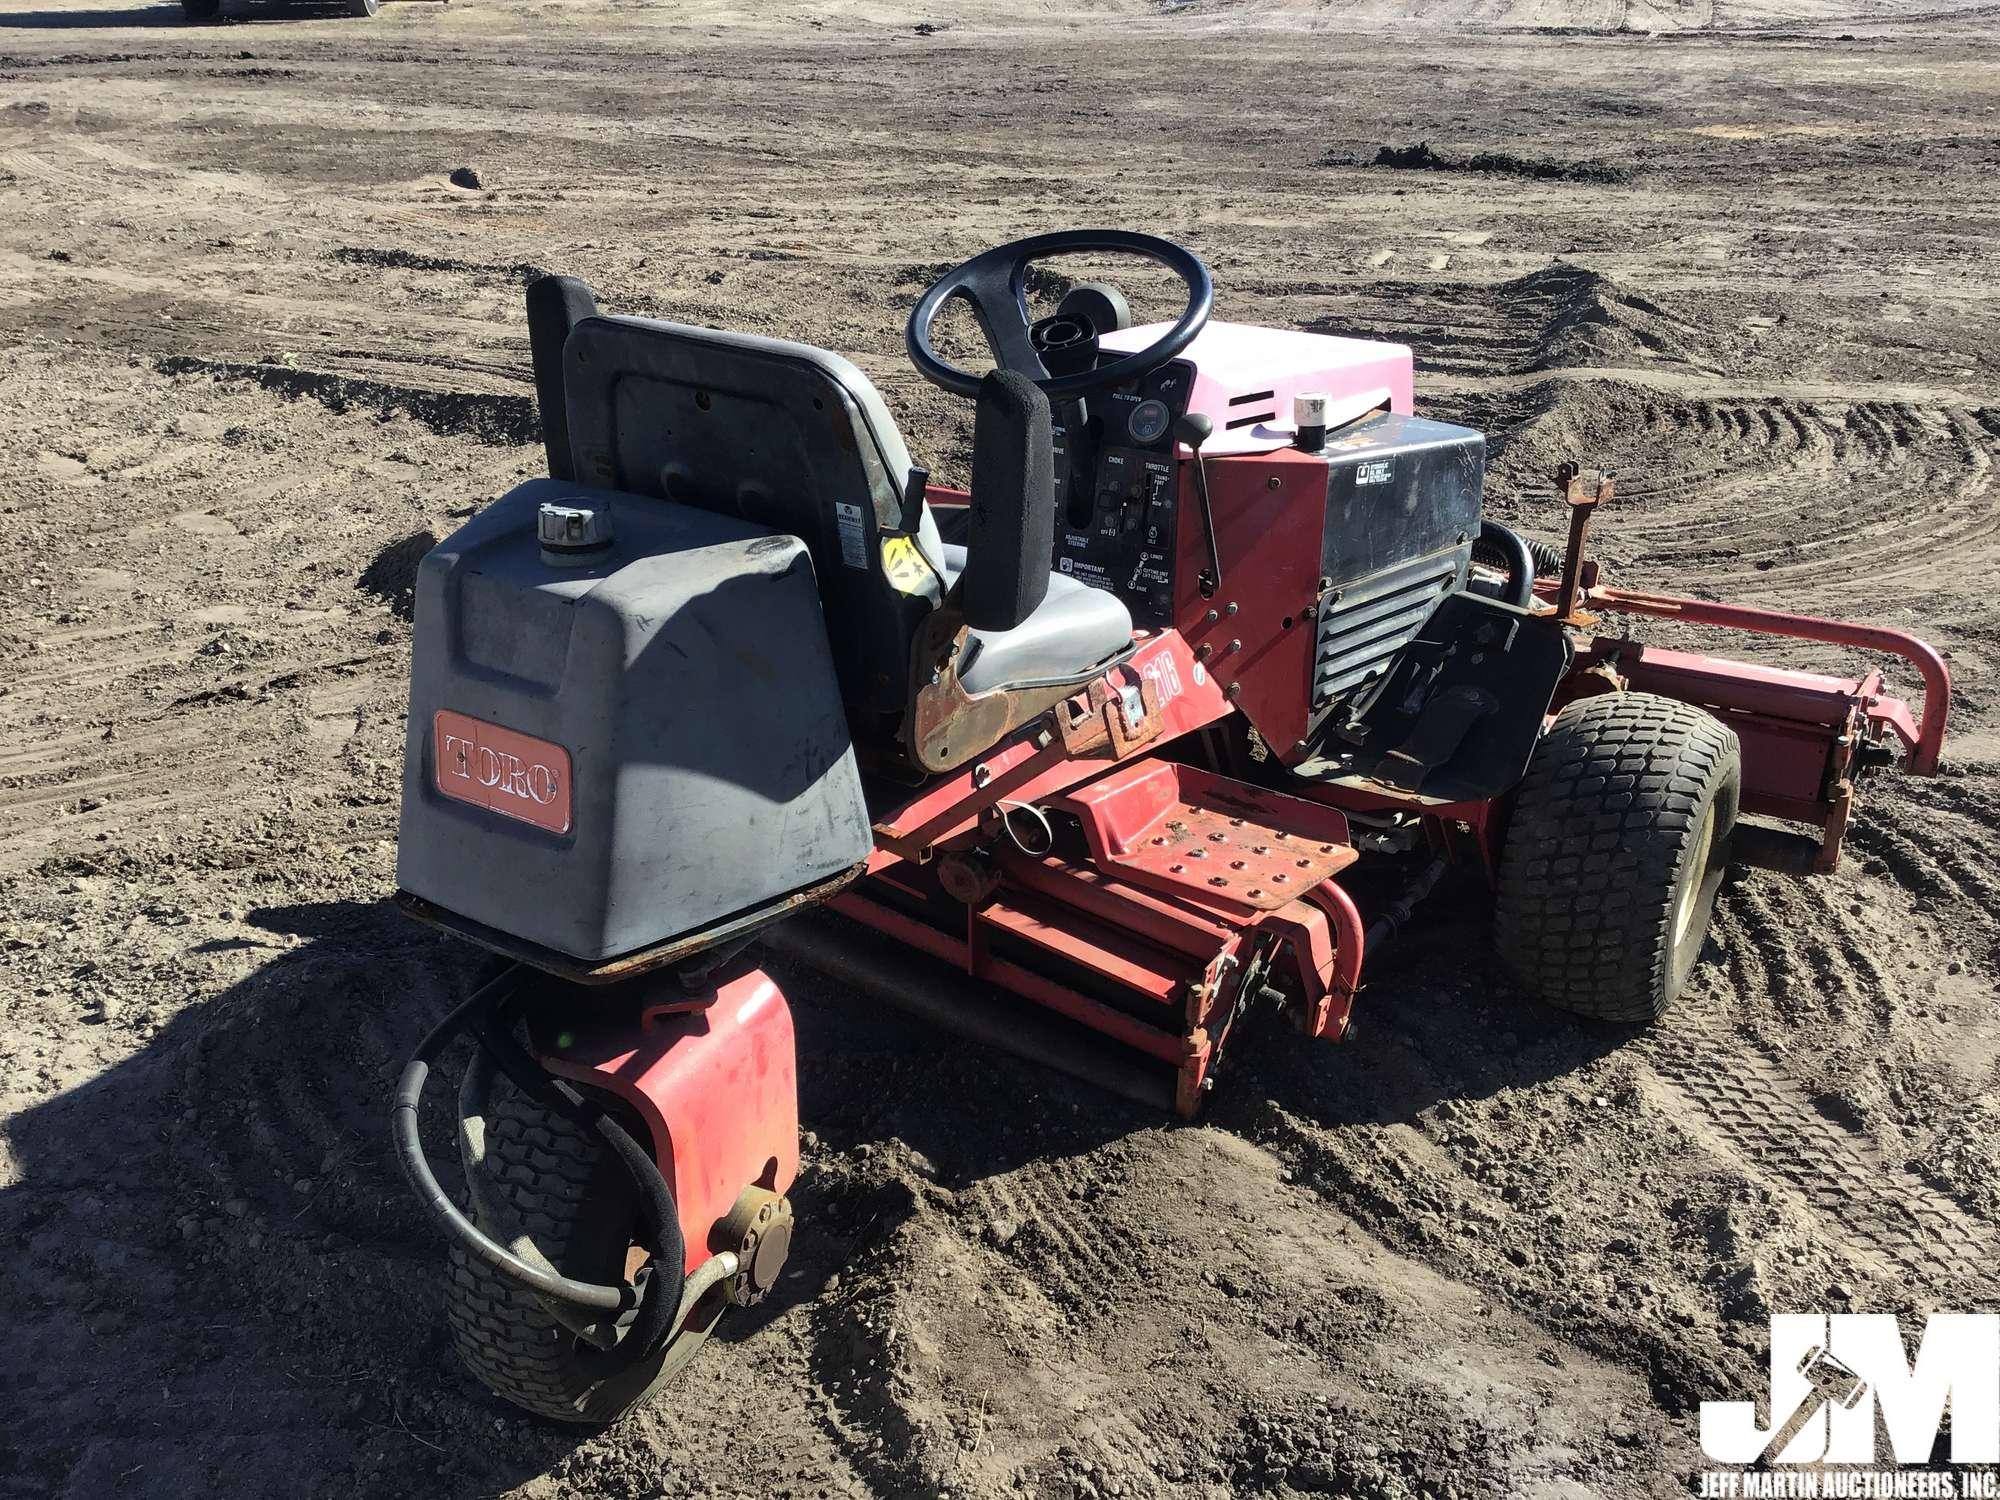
363,8
549,1191
1619,839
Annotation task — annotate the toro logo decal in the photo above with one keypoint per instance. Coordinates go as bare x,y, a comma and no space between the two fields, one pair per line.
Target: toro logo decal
502,770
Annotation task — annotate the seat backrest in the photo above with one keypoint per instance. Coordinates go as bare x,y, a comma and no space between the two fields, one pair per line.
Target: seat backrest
781,434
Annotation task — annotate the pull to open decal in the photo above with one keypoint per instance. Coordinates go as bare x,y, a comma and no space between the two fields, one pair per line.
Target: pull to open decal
502,770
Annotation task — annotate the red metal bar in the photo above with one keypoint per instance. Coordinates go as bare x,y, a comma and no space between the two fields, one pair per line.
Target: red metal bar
1167,921
1344,981
1780,692
1928,740
1166,1045
1106,952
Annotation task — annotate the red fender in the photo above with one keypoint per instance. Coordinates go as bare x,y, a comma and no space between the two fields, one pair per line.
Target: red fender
717,1087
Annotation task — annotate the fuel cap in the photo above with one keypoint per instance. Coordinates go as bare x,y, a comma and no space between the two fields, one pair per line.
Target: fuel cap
573,536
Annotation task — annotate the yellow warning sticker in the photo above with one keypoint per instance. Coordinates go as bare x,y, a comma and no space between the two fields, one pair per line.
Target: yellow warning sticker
906,568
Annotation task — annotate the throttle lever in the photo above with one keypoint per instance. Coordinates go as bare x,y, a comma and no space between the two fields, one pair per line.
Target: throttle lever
1194,429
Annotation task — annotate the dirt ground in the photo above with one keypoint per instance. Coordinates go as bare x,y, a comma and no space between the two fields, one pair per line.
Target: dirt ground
259,351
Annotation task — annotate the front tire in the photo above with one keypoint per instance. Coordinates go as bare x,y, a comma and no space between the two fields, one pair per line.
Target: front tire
363,8
1618,842
549,1191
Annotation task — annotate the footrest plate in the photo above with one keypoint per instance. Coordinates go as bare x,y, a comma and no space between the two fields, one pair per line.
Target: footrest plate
1176,828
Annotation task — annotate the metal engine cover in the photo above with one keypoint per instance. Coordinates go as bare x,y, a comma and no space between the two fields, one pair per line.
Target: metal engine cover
615,749
1402,510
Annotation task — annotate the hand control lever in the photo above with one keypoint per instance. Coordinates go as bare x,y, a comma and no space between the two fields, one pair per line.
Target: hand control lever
1194,429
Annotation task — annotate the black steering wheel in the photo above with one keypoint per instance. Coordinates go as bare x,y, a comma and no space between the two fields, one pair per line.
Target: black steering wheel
996,284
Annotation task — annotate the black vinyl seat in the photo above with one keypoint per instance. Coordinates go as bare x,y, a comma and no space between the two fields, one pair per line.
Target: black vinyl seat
798,439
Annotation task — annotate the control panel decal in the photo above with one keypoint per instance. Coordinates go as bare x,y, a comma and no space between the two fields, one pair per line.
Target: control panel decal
1116,487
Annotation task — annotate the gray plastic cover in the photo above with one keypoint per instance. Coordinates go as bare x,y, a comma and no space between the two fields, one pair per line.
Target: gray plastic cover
685,678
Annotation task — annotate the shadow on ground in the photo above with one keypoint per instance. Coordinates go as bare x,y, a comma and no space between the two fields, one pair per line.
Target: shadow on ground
235,12
227,1288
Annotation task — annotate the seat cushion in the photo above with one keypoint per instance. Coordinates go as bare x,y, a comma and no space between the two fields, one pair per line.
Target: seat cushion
1074,629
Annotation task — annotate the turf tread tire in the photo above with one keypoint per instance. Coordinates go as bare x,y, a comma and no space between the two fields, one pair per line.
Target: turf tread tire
1593,863
543,1179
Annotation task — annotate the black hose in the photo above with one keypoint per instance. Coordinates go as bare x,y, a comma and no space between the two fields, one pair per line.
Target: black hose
656,1201
1512,548
410,1152
655,1312
1385,926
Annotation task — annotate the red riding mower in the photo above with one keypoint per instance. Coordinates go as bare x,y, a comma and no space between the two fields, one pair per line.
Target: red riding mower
1220,672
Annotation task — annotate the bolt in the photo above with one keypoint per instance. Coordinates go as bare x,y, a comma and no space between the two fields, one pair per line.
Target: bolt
1274,482
1235,822
1326,848
1218,838
1256,890
1218,880
1280,834
1177,869
981,774
1203,652
1229,609
1211,617
1160,839
1197,854
1231,691
1305,864
1281,877
1325,583
1234,647
1260,849
1237,864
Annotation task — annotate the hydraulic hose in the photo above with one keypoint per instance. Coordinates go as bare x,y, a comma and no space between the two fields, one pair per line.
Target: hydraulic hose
410,1152
655,1316
657,1313
1512,548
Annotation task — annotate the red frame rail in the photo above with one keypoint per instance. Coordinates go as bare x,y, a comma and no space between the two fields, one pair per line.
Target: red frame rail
1924,738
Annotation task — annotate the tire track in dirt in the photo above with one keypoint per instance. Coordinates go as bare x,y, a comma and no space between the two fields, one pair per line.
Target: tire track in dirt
1762,1118
1777,499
